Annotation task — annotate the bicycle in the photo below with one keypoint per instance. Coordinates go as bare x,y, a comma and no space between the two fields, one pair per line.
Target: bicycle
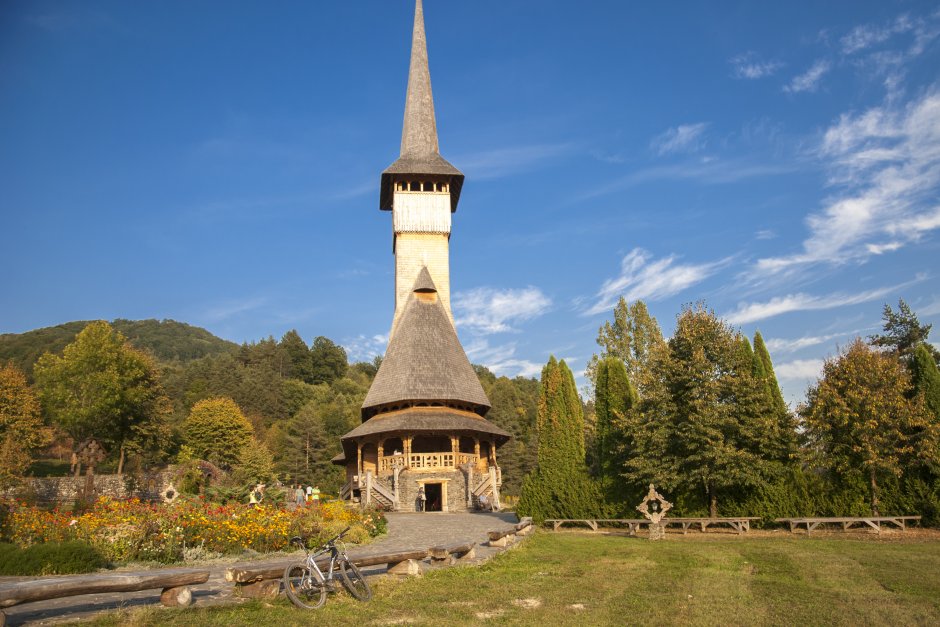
306,584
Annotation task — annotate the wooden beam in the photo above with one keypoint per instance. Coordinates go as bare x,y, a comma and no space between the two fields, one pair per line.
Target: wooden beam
46,588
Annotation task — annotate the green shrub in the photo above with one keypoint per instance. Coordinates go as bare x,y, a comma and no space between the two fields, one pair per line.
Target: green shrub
53,558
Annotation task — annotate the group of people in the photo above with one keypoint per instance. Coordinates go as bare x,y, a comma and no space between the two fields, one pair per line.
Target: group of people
306,496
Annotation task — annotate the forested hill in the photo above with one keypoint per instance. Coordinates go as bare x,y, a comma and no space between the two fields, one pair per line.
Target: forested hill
167,340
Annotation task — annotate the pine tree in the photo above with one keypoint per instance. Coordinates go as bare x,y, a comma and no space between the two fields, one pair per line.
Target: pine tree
560,486
21,428
217,431
903,332
299,360
614,403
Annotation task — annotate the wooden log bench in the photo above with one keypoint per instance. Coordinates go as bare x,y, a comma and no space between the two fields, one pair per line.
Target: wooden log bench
174,583
740,524
847,522
452,552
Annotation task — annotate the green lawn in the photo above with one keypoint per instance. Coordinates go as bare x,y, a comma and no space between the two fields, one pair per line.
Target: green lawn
580,579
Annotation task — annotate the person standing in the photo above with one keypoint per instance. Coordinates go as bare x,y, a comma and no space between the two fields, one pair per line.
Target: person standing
315,496
422,498
309,494
299,495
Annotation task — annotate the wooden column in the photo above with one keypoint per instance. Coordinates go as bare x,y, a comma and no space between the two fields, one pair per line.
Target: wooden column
380,455
359,462
454,445
406,444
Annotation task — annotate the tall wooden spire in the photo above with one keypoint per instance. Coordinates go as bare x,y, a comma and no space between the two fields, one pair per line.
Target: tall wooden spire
420,152
419,133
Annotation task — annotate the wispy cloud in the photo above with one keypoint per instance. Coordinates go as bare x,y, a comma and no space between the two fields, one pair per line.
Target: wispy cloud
486,310
750,66
642,277
501,162
752,312
365,347
799,369
683,138
229,309
765,234
866,36
809,80
706,172
781,345
885,167
501,359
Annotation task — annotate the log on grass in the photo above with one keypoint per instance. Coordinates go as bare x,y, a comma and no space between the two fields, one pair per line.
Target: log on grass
73,585
457,550
249,572
179,596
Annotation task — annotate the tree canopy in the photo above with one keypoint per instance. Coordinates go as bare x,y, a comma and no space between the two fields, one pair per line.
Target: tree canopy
217,431
102,387
861,418
21,426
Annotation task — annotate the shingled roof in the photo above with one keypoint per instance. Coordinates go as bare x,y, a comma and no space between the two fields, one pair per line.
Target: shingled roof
424,360
420,152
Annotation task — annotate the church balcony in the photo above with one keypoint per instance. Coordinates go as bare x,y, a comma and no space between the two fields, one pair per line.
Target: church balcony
426,461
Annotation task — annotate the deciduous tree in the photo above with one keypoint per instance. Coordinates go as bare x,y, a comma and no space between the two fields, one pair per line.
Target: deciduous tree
861,418
216,430
21,427
632,337
706,424
102,387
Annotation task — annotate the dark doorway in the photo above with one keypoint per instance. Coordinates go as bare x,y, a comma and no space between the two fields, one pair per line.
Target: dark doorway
434,493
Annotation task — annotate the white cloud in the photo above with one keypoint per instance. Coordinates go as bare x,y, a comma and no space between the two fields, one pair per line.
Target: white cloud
884,165
501,359
809,80
365,347
643,278
752,312
765,234
749,66
799,369
866,36
489,310
226,310
780,345
683,138
930,310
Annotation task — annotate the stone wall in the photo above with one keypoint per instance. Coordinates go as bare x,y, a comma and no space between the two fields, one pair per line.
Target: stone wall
65,490
456,488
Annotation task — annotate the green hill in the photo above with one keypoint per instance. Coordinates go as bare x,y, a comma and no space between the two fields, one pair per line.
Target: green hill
167,340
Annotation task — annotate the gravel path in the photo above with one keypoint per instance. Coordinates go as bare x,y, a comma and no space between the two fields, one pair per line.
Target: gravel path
405,531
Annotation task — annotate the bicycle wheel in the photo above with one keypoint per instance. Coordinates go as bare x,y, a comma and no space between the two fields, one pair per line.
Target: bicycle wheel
303,587
354,581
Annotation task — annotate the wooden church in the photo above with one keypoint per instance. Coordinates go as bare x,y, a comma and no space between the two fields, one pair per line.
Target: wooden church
424,426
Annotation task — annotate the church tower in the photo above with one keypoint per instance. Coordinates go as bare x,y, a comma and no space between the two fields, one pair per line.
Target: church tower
421,188
424,442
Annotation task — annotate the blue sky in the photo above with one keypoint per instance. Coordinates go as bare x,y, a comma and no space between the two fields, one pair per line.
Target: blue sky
218,163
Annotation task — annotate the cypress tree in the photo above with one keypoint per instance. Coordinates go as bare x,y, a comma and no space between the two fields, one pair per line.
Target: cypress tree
560,486
614,403
760,350
926,378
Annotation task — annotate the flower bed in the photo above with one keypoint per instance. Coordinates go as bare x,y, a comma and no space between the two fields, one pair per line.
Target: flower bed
131,530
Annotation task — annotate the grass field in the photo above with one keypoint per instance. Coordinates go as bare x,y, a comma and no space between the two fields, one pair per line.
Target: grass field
583,579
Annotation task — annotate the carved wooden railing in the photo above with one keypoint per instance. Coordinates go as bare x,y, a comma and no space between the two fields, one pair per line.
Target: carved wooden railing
388,463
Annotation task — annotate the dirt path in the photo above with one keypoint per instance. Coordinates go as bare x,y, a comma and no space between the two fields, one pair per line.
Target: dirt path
405,531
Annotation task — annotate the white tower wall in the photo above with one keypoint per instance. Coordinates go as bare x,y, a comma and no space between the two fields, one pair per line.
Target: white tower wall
421,222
